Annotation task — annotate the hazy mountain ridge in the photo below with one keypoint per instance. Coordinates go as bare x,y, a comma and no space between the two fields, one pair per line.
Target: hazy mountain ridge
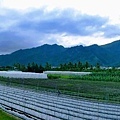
106,55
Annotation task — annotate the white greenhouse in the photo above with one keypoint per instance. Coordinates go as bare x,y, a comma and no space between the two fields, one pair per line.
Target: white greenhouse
19,74
67,72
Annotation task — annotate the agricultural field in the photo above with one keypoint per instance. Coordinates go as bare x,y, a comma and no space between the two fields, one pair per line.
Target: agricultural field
64,95
101,86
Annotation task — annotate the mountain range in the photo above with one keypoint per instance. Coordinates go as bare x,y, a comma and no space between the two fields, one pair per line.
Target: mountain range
105,55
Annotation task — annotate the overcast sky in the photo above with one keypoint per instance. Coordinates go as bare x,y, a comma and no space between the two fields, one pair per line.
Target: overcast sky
31,23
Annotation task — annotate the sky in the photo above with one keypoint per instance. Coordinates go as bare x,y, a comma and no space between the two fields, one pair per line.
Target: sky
31,23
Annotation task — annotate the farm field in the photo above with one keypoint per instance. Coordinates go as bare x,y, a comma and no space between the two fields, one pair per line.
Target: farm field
63,96
101,86
32,105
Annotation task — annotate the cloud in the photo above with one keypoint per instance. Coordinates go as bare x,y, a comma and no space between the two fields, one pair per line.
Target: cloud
111,31
39,26
65,21
10,41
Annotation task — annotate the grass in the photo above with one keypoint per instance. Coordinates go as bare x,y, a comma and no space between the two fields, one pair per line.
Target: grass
103,86
6,116
95,76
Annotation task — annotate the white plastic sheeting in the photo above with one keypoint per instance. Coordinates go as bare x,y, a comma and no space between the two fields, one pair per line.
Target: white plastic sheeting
19,74
67,72
52,107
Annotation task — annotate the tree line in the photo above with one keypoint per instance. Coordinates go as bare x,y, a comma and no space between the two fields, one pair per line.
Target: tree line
34,67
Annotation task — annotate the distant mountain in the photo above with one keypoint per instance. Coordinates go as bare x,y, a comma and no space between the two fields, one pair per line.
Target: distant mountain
106,55
114,50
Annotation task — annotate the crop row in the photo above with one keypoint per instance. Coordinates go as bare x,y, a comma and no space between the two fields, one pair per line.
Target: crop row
48,106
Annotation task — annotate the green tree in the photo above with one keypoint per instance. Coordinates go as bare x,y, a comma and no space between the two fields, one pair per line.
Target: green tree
97,66
17,66
41,69
70,66
86,65
80,66
47,66
61,67
23,68
29,68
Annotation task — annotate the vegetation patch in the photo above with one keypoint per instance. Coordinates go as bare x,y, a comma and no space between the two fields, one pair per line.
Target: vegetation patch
6,116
